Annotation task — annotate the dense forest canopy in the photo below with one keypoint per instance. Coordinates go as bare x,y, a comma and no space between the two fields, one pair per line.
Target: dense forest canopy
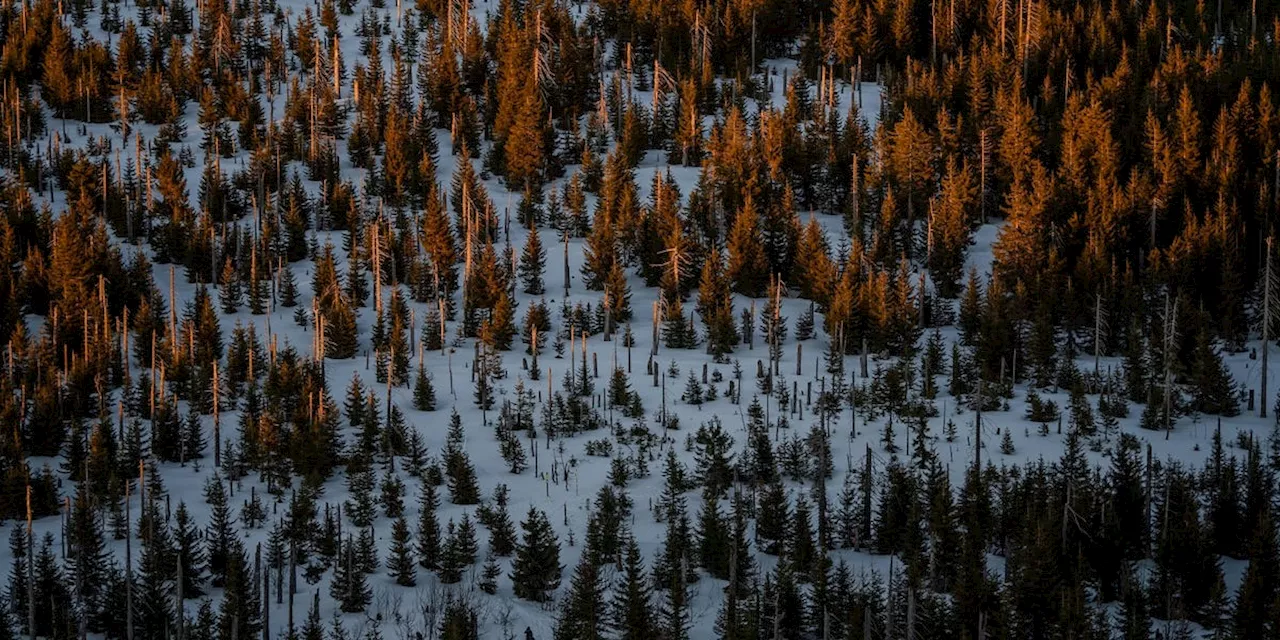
254,251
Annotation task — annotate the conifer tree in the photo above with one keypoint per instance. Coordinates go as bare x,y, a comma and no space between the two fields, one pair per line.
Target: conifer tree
1256,602
229,294
19,572
533,262
428,546
349,587
401,562
583,612
189,549
392,495
524,145
499,328
618,294
949,228
676,618
631,615
600,252
51,593
360,507
459,550
241,607
677,332
424,393
535,574
748,269
220,534
463,488
692,390
502,534
713,538
715,307
1214,392
153,615
774,514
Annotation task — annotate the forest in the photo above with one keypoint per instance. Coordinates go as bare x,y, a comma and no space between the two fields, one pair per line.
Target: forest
300,301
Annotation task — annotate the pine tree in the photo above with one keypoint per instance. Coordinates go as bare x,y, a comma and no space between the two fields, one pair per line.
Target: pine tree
1214,392
355,402
240,608
349,587
188,546
401,562
463,487
618,294
392,495
1256,601
461,548
428,549
801,550
715,307
229,294
219,535
154,617
692,390
340,332
51,593
360,507
533,262
87,563
713,538
524,144
748,269
502,534
19,594
949,229
676,618
582,615
489,575
312,629
677,332
631,615
499,328
535,574
424,393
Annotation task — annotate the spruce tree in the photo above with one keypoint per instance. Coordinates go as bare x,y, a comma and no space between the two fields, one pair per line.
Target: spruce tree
631,615
360,507
676,618
715,307
1256,602
189,548
51,592
533,262
463,487
220,533
748,270
489,575
424,393
240,610
87,563
348,587
582,614
502,534
713,538
1214,392
401,562
535,573
428,549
